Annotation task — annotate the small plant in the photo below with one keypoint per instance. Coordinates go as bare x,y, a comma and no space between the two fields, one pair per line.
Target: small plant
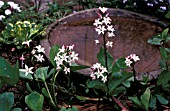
21,33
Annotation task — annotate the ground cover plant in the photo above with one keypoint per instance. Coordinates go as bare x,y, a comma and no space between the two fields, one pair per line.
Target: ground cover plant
50,84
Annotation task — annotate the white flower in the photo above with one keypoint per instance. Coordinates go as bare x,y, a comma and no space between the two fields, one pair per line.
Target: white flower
100,29
128,62
18,9
110,28
58,60
33,51
98,71
104,79
74,56
71,47
96,66
103,9
93,76
27,70
134,57
1,3
39,58
106,20
131,59
7,12
27,42
40,49
1,17
163,8
96,42
64,57
14,6
66,70
62,49
124,1
97,22
150,4
110,34
109,44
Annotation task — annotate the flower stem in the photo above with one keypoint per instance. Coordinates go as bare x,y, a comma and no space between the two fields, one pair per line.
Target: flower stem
49,95
53,85
134,73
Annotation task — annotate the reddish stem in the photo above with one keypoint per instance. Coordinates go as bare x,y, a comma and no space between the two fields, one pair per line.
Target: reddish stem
120,104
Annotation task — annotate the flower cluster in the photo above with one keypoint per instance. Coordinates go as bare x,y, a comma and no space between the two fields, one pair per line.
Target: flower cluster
6,8
103,25
99,72
65,57
131,59
37,53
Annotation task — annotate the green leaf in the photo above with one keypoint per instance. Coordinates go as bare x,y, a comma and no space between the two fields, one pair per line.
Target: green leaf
126,83
115,81
145,98
75,68
121,63
163,78
1,83
166,87
101,58
53,52
44,92
52,71
28,87
153,102
23,76
8,73
156,40
164,34
69,109
81,98
6,101
168,15
41,73
34,101
162,99
17,109
118,90
97,84
136,101
168,50
163,53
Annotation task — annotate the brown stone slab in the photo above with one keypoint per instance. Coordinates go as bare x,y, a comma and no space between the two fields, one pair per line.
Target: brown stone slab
132,31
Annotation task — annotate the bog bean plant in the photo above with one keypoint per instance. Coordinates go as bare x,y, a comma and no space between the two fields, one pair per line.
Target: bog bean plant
53,84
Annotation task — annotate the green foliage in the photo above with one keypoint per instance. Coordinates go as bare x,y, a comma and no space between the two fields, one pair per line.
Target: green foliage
34,101
58,11
144,101
8,74
53,51
41,73
20,32
164,78
69,109
97,84
117,79
7,101
101,58
160,39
